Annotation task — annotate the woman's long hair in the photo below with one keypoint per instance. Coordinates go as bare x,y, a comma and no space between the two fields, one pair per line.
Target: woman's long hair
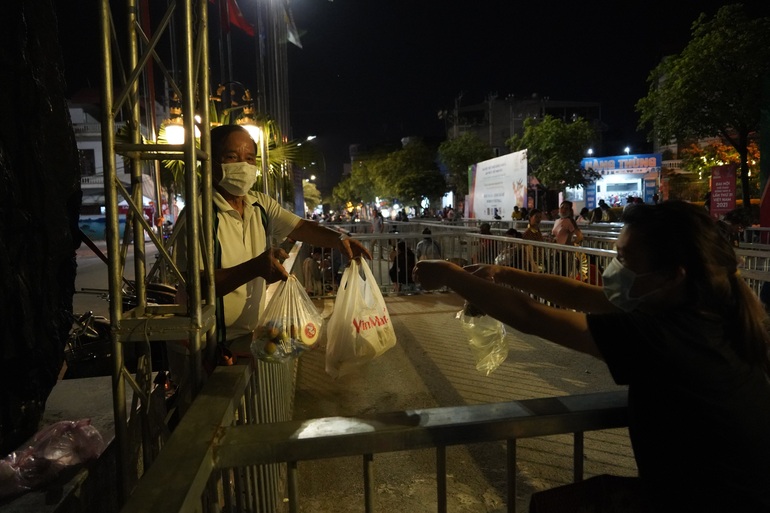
679,234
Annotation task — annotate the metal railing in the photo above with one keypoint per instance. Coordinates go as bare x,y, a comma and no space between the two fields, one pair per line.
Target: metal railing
463,245
237,449
216,456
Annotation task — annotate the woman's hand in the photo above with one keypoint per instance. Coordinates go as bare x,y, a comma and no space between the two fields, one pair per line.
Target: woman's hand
432,274
486,271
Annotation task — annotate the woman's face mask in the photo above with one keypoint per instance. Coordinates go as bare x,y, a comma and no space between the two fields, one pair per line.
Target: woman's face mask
238,177
618,281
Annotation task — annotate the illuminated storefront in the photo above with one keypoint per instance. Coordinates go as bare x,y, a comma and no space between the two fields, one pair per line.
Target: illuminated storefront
622,177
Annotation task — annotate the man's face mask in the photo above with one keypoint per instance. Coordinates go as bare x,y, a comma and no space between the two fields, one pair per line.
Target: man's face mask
238,177
618,280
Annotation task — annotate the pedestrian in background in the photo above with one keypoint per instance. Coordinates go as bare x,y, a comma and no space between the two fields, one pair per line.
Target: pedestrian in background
584,218
565,229
513,254
311,272
427,248
486,249
402,265
533,233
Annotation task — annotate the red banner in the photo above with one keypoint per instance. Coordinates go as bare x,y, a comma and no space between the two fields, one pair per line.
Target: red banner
229,10
722,190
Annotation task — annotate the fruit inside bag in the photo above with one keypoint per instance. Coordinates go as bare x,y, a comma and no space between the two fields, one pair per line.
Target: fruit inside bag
486,338
290,324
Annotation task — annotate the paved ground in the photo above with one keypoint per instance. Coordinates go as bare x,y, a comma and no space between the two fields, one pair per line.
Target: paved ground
431,366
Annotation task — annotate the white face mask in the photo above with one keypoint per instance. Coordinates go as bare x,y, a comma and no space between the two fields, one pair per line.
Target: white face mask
617,281
238,177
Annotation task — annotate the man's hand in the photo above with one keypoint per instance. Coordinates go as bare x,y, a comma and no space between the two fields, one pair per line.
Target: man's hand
269,267
353,248
280,254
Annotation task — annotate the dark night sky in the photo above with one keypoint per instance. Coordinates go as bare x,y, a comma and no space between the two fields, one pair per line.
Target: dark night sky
373,71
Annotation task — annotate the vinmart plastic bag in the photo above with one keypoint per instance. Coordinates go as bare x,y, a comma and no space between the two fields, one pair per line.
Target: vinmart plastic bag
290,324
360,328
486,338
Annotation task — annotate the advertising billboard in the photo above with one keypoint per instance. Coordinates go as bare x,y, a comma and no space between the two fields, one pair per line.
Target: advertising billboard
497,185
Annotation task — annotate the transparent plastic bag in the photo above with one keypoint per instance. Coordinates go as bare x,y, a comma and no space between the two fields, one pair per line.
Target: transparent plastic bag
61,445
290,325
486,338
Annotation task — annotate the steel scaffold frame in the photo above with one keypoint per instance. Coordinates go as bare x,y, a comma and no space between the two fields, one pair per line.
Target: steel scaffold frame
142,427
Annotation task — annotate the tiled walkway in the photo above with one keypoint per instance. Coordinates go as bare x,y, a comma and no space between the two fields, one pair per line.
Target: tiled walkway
431,366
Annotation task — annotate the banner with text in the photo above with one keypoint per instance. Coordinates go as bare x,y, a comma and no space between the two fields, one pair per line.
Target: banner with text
497,185
722,190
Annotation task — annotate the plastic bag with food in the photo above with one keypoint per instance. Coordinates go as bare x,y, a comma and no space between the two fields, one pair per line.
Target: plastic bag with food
290,324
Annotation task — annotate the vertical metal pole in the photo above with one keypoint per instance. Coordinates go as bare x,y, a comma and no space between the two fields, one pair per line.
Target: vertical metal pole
144,377
577,457
114,281
264,159
191,189
206,191
368,483
293,479
441,479
511,469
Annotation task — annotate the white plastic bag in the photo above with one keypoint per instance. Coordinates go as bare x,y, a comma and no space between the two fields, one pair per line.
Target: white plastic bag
360,328
291,324
486,338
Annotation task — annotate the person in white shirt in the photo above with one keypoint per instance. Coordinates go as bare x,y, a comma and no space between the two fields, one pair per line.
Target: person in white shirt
565,229
427,248
246,222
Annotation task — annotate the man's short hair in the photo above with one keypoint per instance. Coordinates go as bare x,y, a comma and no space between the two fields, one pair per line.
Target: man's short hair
220,133
426,231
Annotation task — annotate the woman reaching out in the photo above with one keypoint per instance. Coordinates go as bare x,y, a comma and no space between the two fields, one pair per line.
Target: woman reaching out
694,351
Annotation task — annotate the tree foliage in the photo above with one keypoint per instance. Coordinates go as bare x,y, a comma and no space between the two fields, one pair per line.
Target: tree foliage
311,194
555,150
408,174
457,155
360,186
714,87
699,159
412,174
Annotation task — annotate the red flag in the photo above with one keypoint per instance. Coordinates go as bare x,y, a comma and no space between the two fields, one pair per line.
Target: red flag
237,19
232,12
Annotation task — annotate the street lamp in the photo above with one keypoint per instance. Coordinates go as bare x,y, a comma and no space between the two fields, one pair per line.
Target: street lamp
174,126
627,150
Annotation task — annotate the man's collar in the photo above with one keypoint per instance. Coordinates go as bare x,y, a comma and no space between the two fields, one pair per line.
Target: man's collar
223,205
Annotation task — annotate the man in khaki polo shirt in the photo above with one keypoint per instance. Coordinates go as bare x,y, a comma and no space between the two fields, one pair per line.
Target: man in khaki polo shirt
246,223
